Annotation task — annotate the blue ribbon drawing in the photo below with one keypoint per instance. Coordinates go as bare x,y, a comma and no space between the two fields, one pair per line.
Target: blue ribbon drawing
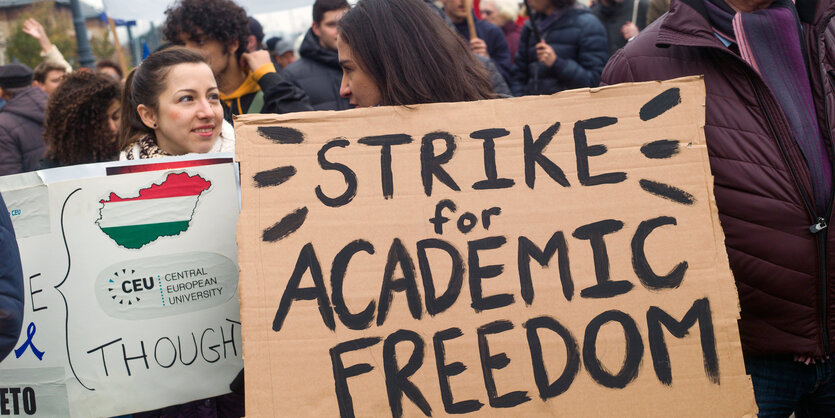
30,332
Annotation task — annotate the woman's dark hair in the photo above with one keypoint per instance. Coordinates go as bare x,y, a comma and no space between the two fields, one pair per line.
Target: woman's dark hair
76,128
144,85
411,54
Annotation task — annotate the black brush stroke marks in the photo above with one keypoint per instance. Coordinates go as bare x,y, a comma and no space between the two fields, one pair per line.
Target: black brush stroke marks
660,104
286,226
66,306
281,134
274,177
661,149
668,192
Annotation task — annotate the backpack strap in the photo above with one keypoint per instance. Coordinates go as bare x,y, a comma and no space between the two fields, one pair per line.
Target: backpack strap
257,103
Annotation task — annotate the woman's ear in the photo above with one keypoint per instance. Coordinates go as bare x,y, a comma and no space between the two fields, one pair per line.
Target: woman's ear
149,118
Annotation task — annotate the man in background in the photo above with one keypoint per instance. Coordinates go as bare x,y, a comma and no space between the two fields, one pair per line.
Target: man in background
489,41
247,80
317,72
47,76
21,120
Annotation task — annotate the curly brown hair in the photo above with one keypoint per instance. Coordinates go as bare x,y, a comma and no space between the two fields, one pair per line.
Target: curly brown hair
221,20
76,128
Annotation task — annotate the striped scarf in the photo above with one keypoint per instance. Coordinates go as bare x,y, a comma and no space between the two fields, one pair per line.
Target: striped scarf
769,40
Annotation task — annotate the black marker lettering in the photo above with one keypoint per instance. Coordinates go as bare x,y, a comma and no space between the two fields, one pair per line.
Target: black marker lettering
436,305
699,312
360,320
583,151
445,371
385,142
397,379
490,362
399,255
307,261
594,233
349,175
430,164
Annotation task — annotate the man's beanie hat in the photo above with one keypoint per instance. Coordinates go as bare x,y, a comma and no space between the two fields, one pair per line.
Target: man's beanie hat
15,75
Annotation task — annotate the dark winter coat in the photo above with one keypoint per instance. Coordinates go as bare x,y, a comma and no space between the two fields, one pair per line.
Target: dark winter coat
578,40
11,285
318,73
496,44
21,132
784,272
280,96
616,15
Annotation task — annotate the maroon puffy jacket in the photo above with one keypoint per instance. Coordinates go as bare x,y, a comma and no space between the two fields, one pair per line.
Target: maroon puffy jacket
784,272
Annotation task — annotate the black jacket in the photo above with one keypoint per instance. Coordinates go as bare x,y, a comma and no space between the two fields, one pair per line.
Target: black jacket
616,15
21,132
580,43
318,73
11,285
280,96
496,44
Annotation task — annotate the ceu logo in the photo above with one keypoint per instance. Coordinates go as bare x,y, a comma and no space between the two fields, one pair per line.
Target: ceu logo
125,288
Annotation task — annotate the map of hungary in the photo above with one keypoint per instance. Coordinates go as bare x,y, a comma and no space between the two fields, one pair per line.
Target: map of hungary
161,210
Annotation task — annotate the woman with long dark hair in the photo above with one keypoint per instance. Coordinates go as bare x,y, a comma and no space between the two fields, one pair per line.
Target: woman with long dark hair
400,52
82,119
570,53
171,106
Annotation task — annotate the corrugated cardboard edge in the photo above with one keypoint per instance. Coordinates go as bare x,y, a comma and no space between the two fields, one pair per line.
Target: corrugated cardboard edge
249,266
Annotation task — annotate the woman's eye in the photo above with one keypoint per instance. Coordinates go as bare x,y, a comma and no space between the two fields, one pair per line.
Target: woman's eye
214,97
185,99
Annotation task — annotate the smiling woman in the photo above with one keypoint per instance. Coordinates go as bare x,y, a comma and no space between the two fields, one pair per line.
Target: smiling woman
172,107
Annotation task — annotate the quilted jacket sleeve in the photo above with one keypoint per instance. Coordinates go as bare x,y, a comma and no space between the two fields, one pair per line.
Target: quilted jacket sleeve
11,285
593,53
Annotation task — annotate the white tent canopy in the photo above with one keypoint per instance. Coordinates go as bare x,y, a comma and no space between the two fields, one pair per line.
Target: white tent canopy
154,10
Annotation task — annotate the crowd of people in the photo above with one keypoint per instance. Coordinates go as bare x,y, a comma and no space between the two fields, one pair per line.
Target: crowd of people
768,65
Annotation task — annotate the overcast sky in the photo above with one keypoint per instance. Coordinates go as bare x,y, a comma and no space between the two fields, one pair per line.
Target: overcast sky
277,16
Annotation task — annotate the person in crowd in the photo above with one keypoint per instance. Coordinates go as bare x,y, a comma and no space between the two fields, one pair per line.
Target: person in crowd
378,70
497,80
11,285
47,76
655,9
503,13
82,119
617,15
247,80
767,67
49,52
284,53
21,120
489,41
317,72
255,40
571,53
110,69
171,106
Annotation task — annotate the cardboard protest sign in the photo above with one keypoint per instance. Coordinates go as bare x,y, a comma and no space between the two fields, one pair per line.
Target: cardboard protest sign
130,288
519,257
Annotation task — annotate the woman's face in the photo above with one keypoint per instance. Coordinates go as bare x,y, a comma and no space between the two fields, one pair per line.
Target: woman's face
114,116
189,115
357,85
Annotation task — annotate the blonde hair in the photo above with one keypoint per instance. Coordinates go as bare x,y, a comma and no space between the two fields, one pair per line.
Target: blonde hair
508,9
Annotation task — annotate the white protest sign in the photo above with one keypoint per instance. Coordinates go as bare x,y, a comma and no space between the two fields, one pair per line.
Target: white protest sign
130,280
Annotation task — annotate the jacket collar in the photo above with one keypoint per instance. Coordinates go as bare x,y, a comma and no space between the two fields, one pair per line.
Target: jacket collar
687,23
